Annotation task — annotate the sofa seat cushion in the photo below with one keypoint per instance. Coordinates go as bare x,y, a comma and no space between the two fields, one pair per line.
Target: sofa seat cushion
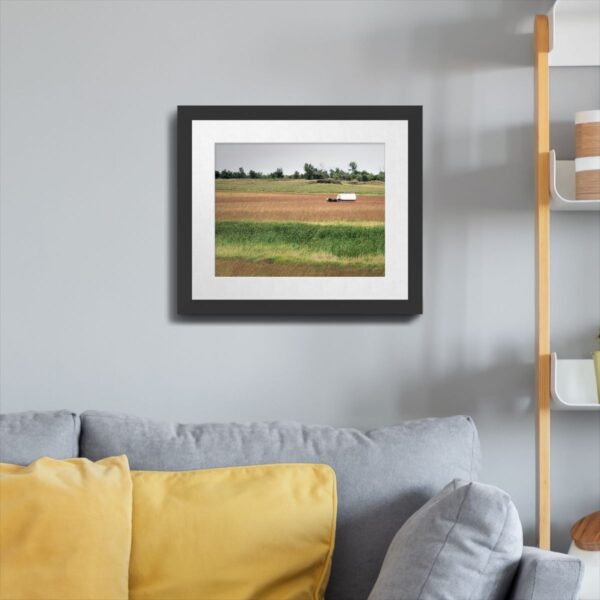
546,575
27,436
233,533
65,530
383,476
464,544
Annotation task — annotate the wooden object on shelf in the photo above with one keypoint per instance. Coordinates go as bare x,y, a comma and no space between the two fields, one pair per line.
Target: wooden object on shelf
542,212
587,133
587,139
586,532
587,154
587,182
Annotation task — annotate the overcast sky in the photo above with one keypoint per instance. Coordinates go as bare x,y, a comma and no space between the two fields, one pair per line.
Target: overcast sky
291,157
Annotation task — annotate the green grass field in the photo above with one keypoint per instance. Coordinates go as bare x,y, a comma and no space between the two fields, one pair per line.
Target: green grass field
309,249
298,186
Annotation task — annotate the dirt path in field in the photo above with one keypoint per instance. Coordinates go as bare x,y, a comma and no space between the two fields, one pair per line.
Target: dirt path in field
241,206
233,267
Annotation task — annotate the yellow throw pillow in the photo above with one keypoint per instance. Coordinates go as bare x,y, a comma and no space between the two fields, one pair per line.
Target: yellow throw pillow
65,529
240,533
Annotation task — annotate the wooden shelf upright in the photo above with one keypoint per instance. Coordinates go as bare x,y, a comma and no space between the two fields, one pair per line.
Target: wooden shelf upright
542,212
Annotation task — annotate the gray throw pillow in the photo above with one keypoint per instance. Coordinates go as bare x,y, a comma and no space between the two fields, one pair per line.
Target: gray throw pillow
464,544
27,436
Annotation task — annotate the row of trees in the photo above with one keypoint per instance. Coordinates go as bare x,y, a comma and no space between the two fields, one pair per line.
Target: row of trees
310,172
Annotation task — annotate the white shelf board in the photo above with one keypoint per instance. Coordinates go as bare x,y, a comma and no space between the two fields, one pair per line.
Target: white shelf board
562,187
574,33
573,384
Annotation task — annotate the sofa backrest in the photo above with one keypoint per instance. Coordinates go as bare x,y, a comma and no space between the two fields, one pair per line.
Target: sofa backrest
27,436
383,476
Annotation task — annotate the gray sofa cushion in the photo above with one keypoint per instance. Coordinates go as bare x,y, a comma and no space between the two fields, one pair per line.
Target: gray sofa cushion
464,544
27,436
383,476
545,575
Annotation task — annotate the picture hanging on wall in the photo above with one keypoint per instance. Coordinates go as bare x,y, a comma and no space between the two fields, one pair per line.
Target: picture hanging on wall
300,211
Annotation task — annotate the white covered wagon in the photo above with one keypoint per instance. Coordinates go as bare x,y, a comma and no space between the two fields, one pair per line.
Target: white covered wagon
343,198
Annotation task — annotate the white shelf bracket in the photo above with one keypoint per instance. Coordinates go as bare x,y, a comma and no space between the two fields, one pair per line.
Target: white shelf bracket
562,187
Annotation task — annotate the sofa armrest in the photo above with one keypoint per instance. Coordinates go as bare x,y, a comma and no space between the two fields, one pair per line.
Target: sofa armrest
544,575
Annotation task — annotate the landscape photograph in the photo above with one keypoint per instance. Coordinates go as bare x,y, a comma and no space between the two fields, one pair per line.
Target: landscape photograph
299,210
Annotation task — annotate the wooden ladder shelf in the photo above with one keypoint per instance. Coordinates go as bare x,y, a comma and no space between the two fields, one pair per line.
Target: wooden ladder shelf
567,36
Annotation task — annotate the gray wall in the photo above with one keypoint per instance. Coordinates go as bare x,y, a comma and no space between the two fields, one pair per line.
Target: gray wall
89,91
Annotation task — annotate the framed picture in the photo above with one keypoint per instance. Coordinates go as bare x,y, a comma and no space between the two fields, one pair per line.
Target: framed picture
300,210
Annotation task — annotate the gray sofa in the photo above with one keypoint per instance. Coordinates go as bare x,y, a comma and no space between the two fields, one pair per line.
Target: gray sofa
383,476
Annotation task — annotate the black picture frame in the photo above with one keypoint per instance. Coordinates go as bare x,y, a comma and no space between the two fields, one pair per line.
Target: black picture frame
186,305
